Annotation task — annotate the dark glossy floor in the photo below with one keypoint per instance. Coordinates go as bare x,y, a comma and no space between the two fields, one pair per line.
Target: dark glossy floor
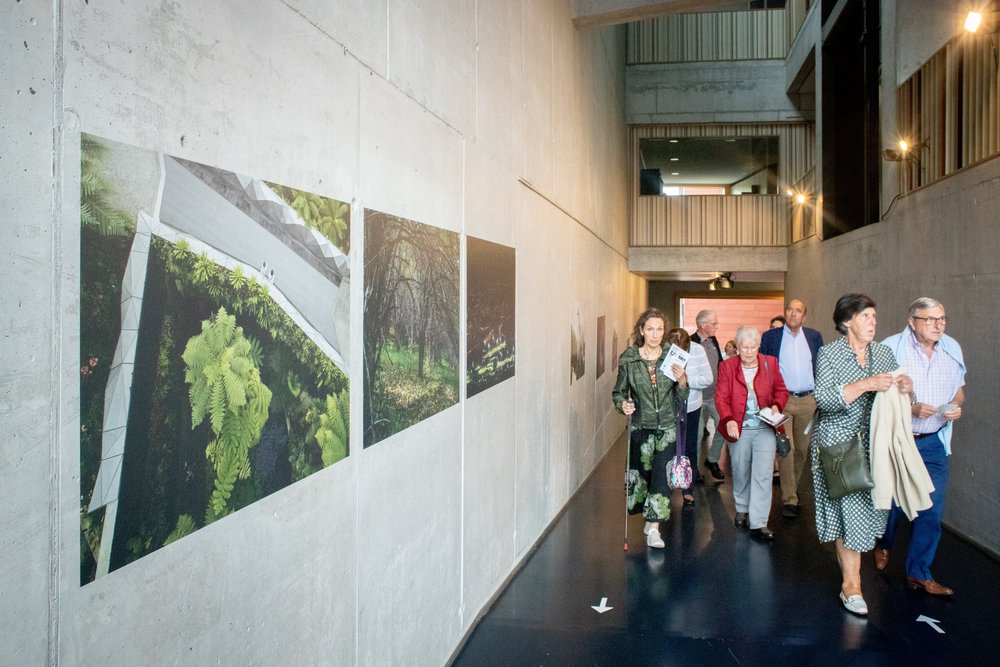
715,596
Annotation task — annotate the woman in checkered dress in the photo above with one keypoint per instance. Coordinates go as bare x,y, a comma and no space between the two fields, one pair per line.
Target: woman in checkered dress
848,373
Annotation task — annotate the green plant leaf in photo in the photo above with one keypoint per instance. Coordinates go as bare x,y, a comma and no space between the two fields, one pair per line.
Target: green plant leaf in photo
225,386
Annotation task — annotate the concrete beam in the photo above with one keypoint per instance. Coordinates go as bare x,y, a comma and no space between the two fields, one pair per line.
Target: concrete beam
668,260
596,13
750,91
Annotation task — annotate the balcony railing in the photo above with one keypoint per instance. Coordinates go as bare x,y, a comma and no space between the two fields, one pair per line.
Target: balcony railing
712,220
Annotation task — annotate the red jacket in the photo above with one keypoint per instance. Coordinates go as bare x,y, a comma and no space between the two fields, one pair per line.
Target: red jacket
731,391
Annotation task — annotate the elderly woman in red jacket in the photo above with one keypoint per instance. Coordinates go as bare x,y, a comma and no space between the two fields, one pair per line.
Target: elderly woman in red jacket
747,383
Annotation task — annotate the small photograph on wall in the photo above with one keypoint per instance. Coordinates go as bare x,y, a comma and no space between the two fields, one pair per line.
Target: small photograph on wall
490,278
411,325
577,347
215,318
614,348
600,346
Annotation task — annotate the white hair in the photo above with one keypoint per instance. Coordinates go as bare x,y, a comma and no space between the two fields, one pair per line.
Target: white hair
747,332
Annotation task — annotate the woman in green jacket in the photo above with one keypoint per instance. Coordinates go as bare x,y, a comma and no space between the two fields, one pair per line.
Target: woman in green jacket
643,391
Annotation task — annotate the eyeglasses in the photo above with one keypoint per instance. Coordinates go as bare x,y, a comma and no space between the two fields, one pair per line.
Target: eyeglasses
934,321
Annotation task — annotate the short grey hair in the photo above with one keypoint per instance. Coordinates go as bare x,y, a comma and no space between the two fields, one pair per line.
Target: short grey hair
747,332
923,303
703,316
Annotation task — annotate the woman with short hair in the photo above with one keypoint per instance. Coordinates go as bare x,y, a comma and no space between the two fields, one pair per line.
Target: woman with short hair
849,371
748,382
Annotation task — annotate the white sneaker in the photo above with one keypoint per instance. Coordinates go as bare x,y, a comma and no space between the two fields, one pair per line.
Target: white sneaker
854,604
645,529
653,538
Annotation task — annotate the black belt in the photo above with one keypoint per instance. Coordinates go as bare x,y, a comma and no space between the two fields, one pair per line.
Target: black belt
800,394
924,435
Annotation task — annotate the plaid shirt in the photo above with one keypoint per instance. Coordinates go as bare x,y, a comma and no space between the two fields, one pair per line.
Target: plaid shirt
933,381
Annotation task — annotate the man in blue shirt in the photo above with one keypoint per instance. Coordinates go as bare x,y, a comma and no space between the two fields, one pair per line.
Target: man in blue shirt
796,348
935,363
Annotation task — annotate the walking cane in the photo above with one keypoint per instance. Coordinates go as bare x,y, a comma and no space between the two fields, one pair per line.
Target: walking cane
628,452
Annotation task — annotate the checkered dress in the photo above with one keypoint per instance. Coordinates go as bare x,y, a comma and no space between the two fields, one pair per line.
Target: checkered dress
853,517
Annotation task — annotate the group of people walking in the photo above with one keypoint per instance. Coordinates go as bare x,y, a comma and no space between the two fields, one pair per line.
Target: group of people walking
828,395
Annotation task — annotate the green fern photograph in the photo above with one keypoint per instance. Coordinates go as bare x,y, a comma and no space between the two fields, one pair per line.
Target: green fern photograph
214,334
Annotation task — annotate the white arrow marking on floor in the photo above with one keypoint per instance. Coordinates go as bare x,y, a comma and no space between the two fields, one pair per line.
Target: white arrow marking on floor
603,607
924,619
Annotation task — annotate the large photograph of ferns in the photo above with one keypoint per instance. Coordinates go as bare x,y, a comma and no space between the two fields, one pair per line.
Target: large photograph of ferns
214,329
490,280
411,323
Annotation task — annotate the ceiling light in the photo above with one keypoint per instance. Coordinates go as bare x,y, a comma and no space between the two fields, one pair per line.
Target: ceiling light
973,21
675,159
800,198
673,141
675,173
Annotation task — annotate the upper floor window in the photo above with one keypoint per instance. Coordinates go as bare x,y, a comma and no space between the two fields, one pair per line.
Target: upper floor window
709,166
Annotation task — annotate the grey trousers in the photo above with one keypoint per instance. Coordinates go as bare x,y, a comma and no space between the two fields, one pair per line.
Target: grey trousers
752,458
715,449
800,411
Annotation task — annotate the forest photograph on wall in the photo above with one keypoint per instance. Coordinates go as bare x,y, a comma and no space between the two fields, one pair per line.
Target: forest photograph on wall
614,348
577,346
600,346
490,279
214,328
411,323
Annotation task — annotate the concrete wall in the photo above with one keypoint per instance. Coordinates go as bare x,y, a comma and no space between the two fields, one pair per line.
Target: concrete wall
491,118
924,26
941,242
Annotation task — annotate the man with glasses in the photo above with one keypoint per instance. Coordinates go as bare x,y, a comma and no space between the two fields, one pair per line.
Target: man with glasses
934,361
708,323
796,348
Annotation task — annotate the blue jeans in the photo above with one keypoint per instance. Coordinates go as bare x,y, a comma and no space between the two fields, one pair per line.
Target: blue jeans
927,525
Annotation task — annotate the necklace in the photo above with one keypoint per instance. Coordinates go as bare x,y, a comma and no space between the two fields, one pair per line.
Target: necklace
648,356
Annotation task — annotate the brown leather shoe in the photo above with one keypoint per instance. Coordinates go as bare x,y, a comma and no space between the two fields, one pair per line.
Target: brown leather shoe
928,586
881,558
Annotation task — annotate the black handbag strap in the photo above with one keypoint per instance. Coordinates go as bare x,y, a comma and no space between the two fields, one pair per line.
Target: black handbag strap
680,420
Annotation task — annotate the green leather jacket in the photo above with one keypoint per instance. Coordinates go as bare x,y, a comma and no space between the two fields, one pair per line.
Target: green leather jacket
633,380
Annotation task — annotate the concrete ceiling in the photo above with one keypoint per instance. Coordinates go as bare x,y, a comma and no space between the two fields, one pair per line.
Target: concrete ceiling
594,13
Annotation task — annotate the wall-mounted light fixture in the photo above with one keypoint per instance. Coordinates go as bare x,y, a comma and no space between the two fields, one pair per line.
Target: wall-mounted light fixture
798,196
903,151
724,281
973,20
987,19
